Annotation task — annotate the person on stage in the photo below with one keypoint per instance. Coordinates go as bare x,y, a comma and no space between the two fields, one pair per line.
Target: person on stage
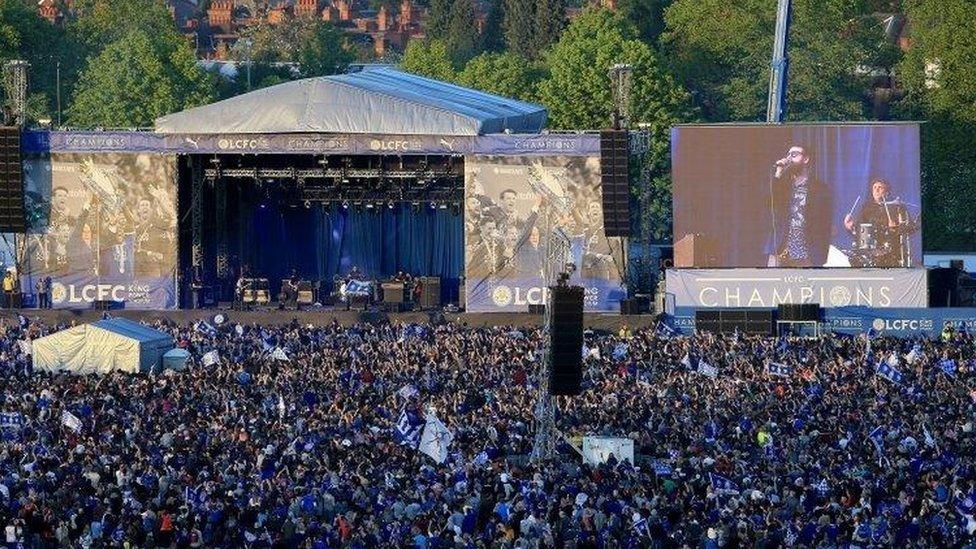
889,220
799,212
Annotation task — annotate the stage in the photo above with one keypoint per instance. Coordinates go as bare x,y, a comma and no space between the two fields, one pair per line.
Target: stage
317,317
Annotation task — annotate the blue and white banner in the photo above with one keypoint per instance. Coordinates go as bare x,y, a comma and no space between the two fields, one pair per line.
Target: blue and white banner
408,428
597,450
777,369
888,372
722,484
359,287
11,420
769,288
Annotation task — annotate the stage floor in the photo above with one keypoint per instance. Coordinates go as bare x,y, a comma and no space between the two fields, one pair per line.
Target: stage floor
318,317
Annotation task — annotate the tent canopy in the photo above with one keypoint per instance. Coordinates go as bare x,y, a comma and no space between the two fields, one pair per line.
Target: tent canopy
102,347
378,100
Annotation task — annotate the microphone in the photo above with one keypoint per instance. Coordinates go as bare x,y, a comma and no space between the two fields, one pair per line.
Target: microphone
780,165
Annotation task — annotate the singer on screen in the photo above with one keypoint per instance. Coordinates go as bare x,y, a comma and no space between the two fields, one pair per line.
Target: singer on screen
799,212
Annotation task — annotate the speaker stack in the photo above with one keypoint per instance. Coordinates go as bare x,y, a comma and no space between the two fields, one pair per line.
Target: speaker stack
430,292
614,178
566,339
799,312
727,321
12,218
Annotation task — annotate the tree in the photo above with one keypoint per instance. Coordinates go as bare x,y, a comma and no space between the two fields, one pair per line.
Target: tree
646,15
322,50
940,80
135,80
519,27
438,18
550,20
461,38
504,74
578,96
46,47
100,22
492,35
721,51
428,58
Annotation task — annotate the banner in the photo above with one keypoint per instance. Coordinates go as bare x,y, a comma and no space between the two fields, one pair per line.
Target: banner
797,195
512,205
768,288
101,227
597,450
365,144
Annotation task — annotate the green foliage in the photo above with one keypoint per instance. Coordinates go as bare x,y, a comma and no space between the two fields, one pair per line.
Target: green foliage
943,35
504,74
135,80
438,18
550,20
321,49
428,58
720,51
102,22
578,96
492,36
518,26
462,38
646,15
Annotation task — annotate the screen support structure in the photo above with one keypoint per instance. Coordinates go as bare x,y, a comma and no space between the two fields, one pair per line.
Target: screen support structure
544,445
779,75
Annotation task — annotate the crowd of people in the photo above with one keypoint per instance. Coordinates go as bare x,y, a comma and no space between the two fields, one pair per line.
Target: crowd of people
287,436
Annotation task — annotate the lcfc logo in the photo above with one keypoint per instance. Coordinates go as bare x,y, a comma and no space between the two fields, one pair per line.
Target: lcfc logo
58,292
840,296
501,296
878,324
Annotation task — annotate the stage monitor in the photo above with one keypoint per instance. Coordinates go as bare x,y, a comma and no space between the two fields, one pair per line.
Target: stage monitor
797,195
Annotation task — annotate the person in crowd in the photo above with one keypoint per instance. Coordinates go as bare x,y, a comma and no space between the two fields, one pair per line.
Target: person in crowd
251,450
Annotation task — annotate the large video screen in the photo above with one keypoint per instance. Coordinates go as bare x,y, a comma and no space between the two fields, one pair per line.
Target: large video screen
797,195
512,206
101,227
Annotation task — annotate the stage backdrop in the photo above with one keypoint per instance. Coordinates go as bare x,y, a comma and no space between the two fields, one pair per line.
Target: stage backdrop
728,193
103,227
511,206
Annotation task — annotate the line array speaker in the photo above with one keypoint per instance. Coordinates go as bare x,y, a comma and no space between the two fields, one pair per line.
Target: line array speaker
727,321
799,311
430,292
12,218
615,177
566,339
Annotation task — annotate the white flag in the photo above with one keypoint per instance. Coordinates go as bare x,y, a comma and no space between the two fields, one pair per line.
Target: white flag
407,391
436,439
70,421
707,369
211,358
281,407
239,329
279,354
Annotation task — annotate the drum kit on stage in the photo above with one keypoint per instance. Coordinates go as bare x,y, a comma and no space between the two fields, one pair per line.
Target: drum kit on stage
877,245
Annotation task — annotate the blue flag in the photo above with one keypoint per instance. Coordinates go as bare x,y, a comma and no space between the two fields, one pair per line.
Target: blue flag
11,420
665,331
722,484
948,366
408,428
777,369
205,328
888,372
877,437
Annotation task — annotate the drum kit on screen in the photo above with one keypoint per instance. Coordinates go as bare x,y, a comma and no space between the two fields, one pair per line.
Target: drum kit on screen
885,245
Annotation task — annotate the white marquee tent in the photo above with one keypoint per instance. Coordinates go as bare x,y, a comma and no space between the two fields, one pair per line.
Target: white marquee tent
377,100
102,347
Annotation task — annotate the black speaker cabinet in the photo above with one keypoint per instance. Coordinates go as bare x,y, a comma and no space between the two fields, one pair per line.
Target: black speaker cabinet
799,311
12,218
430,292
727,321
566,339
615,178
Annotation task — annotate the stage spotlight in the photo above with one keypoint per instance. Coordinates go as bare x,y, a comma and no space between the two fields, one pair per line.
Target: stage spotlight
433,205
369,205
389,204
345,204
308,204
443,206
263,205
